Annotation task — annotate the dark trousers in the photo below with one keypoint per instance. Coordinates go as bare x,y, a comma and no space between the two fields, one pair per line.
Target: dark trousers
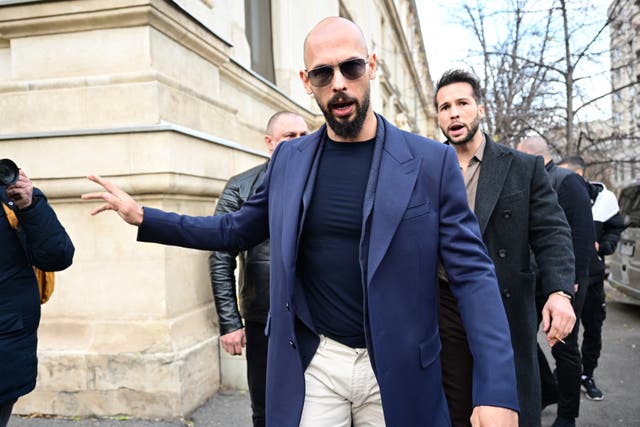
593,315
455,359
257,344
568,363
5,412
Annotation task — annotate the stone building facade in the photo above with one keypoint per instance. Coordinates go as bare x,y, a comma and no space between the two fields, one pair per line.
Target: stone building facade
167,99
625,81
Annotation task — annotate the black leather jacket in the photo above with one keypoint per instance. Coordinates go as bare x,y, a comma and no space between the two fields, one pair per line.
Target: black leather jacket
254,263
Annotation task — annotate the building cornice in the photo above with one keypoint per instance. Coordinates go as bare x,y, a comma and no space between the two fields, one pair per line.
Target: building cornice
57,17
90,15
163,126
156,183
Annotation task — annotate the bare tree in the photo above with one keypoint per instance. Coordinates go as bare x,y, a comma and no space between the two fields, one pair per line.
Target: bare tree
513,83
540,62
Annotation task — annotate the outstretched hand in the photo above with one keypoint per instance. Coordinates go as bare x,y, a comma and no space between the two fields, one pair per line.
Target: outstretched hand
116,200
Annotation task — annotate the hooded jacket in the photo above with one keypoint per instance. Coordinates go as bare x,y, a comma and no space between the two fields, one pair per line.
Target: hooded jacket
41,241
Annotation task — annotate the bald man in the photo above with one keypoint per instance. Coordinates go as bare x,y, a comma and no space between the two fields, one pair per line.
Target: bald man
609,224
254,279
358,213
573,197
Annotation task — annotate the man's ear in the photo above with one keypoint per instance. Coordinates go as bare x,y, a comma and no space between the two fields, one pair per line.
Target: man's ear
373,66
481,111
305,82
268,141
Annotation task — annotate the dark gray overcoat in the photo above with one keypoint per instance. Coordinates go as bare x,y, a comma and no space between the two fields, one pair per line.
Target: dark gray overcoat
517,211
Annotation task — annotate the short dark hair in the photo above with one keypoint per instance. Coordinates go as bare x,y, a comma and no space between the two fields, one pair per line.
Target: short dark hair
458,76
573,162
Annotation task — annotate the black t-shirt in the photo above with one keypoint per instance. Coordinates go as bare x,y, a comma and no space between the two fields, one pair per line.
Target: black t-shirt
329,246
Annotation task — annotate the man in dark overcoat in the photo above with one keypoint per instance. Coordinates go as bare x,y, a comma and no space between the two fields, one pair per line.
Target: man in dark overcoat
518,212
564,386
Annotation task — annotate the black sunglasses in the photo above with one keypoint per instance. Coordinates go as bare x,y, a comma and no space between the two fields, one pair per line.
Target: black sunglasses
351,69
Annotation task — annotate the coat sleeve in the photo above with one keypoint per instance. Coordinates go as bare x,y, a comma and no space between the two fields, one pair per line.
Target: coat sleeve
234,231
46,242
222,265
610,235
549,235
473,282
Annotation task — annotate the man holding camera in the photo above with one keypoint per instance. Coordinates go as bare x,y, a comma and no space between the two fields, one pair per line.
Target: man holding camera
38,240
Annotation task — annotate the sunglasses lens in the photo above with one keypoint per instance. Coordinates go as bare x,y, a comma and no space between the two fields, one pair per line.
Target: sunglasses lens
320,76
353,69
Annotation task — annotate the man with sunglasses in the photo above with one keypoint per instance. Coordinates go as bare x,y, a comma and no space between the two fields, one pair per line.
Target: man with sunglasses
357,213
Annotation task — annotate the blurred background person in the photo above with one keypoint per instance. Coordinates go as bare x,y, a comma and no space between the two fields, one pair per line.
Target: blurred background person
563,388
608,226
254,273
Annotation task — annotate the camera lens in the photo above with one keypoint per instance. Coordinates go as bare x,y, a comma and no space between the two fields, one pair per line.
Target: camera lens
8,172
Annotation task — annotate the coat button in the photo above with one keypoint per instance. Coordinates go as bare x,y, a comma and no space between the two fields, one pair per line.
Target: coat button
502,253
292,344
287,307
506,293
506,214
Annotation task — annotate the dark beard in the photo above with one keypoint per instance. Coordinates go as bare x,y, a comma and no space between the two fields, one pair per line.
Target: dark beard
350,129
473,129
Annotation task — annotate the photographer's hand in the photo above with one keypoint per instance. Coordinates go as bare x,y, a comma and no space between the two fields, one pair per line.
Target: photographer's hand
116,200
21,193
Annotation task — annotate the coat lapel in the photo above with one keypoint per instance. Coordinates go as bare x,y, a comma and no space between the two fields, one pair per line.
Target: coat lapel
393,174
394,171
493,172
301,168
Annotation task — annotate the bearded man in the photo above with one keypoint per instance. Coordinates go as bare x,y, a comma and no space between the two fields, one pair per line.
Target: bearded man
518,212
358,213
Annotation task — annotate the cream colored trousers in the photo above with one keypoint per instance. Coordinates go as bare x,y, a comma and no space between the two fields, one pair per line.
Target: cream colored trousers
341,388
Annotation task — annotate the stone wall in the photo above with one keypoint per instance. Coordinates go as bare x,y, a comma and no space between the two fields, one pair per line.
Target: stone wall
159,97
141,93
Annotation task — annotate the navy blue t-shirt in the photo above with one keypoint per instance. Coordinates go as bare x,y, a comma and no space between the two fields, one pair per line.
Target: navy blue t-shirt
328,253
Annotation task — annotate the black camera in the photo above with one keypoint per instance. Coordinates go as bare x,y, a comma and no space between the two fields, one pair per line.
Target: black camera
8,172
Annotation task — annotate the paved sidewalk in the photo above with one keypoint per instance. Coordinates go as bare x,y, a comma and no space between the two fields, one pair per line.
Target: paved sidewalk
617,374
228,408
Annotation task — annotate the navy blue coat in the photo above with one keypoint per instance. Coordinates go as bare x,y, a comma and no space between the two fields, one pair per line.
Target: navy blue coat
415,211
48,247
